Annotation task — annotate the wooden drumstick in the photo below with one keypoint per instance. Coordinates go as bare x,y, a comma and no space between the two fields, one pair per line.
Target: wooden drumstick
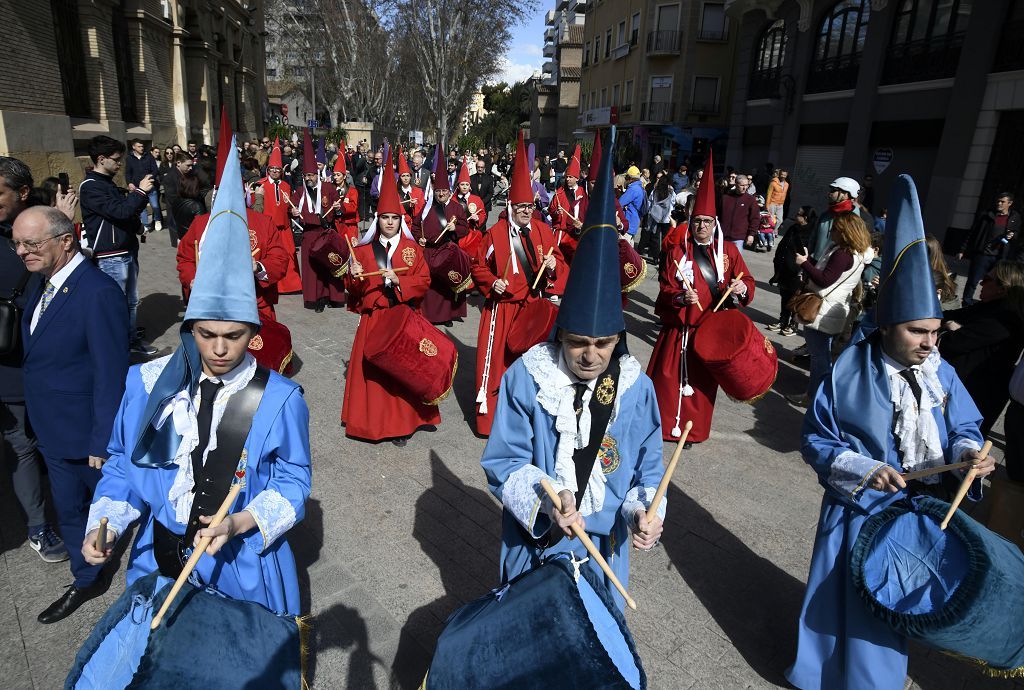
589,545
536,281
663,486
727,293
197,553
352,252
936,470
965,485
101,536
508,262
686,283
381,272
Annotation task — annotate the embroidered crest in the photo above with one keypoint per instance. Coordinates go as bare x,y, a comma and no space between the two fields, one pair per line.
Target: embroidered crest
455,277
324,200
630,270
408,256
725,263
768,347
334,258
256,343
608,454
605,391
253,242
428,347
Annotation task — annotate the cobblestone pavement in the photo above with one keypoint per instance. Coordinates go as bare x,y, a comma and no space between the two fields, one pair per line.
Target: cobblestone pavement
395,539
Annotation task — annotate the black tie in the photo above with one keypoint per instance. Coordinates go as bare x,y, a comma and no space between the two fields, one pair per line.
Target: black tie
910,376
209,389
577,403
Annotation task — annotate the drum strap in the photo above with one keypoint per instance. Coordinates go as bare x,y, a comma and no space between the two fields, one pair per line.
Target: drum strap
703,261
601,404
441,222
521,254
213,481
380,255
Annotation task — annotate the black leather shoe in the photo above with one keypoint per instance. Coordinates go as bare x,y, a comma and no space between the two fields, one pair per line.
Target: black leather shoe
320,306
69,602
687,445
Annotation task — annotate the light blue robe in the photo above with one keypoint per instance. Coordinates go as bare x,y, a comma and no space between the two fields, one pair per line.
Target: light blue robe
842,645
522,449
257,566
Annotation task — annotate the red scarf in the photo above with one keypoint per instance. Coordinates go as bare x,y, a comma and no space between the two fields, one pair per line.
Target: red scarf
844,206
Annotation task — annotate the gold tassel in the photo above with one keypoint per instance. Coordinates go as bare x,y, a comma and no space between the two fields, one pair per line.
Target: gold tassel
305,625
988,670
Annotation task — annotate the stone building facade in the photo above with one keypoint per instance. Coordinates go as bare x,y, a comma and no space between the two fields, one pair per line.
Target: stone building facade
556,92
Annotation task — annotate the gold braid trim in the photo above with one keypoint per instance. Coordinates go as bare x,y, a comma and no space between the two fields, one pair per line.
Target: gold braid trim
464,284
284,363
305,625
440,398
984,667
639,278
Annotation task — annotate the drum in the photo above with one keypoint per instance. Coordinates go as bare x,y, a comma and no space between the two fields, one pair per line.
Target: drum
329,252
272,346
632,267
960,590
532,325
449,268
471,242
555,626
741,360
413,353
206,640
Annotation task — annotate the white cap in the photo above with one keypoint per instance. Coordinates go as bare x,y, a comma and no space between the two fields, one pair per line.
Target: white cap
848,185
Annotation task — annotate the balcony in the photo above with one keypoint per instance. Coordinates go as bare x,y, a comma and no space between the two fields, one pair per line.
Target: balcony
704,108
764,83
549,50
923,60
664,42
620,51
549,67
657,111
833,74
714,35
549,17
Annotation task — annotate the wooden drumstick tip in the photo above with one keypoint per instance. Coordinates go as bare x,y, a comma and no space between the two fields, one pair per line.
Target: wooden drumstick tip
101,536
965,486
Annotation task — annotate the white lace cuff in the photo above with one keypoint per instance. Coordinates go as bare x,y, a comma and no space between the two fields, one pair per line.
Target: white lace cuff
962,446
851,472
120,515
633,502
274,516
524,498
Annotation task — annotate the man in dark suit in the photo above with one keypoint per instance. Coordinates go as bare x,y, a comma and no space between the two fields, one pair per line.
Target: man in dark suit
420,172
482,184
75,330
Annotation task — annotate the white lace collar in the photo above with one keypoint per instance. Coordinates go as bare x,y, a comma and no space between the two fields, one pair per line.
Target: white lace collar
916,432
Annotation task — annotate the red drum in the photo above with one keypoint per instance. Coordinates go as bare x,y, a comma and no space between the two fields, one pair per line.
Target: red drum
449,268
632,267
272,346
471,241
330,252
532,325
741,360
413,353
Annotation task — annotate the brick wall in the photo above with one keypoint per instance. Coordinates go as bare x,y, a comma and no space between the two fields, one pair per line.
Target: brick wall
30,80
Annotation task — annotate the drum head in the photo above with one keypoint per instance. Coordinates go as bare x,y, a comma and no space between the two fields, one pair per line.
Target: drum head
532,325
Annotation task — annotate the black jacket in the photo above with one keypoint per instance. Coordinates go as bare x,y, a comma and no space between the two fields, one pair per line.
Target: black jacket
794,240
984,351
482,184
984,237
110,217
185,211
12,268
359,168
137,168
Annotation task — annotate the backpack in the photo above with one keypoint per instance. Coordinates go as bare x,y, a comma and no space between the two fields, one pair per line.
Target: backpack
645,205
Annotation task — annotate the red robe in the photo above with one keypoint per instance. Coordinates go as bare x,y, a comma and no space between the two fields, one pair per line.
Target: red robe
664,367
488,266
268,250
562,210
347,220
317,284
275,205
374,408
414,209
476,217
439,305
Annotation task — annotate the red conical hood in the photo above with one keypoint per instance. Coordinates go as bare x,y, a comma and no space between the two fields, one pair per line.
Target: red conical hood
308,156
595,159
463,173
403,165
704,204
339,165
573,169
440,169
521,191
388,201
223,143
275,160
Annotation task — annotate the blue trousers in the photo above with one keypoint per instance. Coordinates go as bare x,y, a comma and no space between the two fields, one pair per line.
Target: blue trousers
72,483
124,270
819,347
154,201
980,266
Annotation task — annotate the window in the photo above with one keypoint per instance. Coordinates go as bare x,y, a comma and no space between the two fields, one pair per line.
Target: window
615,94
627,97
271,72
927,38
771,52
586,55
622,34
705,95
597,49
665,38
604,97
123,64
713,25
634,30
660,107
70,58
607,43
583,102
838,46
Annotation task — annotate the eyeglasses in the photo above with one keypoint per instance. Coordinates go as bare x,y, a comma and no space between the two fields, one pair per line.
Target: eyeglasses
703,221
31,246
522,207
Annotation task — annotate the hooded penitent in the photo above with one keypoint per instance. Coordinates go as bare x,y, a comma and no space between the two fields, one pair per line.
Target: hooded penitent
388,201
463,173
223,290
403,164
339,164
521,191
704,205
275,160
573,169
308,157
440,169
595,159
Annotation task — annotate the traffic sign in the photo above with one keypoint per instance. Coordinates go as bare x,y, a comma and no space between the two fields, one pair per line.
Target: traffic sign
313,124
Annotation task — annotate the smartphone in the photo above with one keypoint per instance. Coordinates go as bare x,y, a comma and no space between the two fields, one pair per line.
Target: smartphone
64,181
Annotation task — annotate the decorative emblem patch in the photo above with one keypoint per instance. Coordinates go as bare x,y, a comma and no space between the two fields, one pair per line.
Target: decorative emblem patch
253,242
324,201
428,348
256,343
768,347
725,263
605,391
334,258
455,277
630,270
608,455
408,256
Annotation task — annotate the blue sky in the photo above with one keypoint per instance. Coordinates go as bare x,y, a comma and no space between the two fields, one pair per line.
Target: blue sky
526,52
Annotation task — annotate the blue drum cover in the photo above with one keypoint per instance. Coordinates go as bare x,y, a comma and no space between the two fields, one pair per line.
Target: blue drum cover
960,590
206,640
543,629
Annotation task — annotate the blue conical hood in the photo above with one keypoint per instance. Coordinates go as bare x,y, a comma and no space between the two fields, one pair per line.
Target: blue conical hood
592,304
906,291
224,289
